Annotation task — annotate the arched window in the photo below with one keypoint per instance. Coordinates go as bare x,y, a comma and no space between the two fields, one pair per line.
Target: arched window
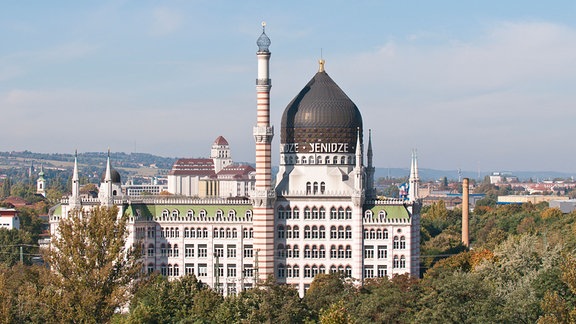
382,213
248,213
372,234
228,233
281,212
186,232
190,213
368,213
234,233
289,231
327,160
348,232
202,213
307,232
216,233
176,251
296,232
348,254
163,249
333,232
341,213
288,251
280,251
322,254
315,187
296,271
379,234
296,251
315,214
307,252
307,272
311,159
231,213
333,269
205,232
385,234
348,271
150,250
176,270
343,160
340,252
169,250
333,252
366,234
396,263
175,213
198,232
281,271
165,213
322,232
315,233
402,242
219,214
314,270
396,243
322,269
314,252
402,262
322,187
303,160
348,213
280,232
296,213
335,160
307,214
333,213
340,232
163,270
322,213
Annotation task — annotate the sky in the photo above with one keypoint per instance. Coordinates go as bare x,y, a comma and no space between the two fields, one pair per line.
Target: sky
472,85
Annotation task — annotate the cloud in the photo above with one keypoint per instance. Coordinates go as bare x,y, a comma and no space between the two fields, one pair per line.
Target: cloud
165,21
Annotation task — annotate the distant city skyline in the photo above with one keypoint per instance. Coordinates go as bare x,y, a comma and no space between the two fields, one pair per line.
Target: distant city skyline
474,86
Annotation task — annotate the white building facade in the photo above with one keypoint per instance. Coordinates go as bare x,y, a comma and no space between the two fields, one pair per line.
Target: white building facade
322,215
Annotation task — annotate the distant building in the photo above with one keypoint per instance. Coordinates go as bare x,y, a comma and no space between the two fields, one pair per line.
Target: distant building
41,183
9,218
216,176
502,177
521,199
566,206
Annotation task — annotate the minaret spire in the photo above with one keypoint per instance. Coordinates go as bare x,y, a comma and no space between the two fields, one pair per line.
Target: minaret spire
414,180
263,197
106,197
75,198
358,169
370,167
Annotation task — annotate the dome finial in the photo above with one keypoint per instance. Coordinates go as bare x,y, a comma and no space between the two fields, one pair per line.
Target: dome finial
263,41
321,67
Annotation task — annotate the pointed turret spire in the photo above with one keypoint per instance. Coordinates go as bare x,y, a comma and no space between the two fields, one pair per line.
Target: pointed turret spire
75,199
414,180
370,167
358,169
106,197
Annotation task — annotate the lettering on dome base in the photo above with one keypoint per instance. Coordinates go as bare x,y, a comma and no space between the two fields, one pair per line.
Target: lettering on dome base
316,148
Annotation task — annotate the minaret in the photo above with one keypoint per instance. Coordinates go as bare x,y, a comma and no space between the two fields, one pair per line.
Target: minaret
75,198
358,183
263,197
414,180
370,168
106,197
41,182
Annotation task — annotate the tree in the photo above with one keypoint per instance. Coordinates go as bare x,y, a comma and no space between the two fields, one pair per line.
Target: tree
10,243
6,188
325,290
91,266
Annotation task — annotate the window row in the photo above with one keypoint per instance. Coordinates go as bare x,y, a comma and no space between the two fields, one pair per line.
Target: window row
314,251
378,234
225,233
287,271
314,232
166,214
285,212
314,187
380,253
381,271
294,159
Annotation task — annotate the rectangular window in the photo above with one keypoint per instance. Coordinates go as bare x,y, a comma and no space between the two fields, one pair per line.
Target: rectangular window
189,251
368,272
248,271
219,250
219,269
382,251
202,270
189,269
231,251
369,252
202,251
231,270
248,252
382,271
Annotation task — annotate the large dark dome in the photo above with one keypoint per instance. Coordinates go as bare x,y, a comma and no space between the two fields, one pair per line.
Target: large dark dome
114,175
321,113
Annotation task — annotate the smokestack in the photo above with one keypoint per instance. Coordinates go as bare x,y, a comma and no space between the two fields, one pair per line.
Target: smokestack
465,210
